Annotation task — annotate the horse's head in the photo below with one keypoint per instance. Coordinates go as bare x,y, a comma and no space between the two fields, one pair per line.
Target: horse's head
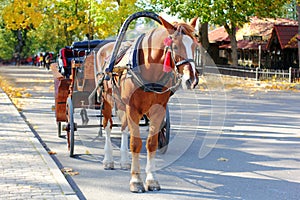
181,45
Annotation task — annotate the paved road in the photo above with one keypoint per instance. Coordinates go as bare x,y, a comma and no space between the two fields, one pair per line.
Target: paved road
256,155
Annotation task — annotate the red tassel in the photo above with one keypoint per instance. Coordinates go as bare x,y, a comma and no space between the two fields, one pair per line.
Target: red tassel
167,62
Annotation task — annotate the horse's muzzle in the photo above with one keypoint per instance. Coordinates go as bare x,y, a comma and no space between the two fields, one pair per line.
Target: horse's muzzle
195,82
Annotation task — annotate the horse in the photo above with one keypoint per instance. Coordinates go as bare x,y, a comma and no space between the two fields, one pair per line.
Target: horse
154,66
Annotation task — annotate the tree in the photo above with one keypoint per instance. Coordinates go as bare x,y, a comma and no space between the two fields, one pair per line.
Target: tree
31,26
110,15
188,10
298,11
20,17
231,14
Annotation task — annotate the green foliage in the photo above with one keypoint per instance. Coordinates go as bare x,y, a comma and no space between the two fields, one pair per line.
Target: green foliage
236,12
110,15
50,25
228,13
7,44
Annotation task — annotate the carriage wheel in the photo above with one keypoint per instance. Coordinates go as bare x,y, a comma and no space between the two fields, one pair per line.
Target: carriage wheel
100,100
164,133
71,126
59,129
100,132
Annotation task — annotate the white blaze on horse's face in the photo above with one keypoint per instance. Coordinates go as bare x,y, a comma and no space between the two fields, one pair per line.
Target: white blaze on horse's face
188,43
189,69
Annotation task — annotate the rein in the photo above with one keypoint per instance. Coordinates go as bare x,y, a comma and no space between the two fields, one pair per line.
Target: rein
168,43
188,60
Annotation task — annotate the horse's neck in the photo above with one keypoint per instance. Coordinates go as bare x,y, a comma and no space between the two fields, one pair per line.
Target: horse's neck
151,57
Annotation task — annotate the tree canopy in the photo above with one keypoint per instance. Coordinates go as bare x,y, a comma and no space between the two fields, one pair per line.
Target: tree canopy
31,26
231,14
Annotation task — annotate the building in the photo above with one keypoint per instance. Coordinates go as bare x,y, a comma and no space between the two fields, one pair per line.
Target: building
283,47
265,43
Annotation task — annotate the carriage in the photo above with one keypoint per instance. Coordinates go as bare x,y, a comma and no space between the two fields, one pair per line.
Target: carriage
158,63
75,88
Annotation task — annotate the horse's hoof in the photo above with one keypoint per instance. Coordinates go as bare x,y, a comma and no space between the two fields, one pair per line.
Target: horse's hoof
137,187
125,166
109,166
152,185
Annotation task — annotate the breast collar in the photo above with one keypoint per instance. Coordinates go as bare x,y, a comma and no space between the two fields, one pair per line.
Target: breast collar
134,72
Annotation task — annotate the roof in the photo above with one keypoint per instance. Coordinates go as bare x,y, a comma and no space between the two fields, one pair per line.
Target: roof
256,26
218,35
262,27
246,44
287,36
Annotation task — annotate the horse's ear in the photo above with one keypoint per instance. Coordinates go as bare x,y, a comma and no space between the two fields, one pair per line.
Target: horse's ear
193,22
170,28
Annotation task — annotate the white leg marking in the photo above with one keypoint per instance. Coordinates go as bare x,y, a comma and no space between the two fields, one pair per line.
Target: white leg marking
152,183
150,167
125,162
135,168
108,149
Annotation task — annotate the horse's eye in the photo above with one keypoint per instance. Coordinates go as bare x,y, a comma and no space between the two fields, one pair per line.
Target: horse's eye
175,47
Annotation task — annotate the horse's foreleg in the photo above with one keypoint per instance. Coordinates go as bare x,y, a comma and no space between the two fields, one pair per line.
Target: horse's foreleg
151,181
156,116
133,118
108,161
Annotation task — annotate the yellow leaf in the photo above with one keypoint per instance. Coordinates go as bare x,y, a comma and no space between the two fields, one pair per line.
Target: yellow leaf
51,152
18,94
69,171
223,159
27,95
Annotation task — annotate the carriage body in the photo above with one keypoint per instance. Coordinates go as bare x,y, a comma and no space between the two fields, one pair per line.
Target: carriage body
78,79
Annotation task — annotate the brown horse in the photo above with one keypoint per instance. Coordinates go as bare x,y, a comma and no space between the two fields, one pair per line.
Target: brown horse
164,59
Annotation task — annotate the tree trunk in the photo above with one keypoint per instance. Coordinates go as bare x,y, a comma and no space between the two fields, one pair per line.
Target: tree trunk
19,47
68,35
203,35
232,35
298,11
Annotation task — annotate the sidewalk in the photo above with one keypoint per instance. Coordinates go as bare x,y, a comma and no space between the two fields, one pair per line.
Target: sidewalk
27,171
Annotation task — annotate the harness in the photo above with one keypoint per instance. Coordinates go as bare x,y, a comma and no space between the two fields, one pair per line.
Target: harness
134,71
159,87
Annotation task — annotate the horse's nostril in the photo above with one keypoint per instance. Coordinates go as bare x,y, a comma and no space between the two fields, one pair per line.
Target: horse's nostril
188,83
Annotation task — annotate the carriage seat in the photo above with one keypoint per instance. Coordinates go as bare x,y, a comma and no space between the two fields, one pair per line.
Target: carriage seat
78,52
88,45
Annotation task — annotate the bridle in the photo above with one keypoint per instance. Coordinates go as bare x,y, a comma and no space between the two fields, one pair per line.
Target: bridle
168,43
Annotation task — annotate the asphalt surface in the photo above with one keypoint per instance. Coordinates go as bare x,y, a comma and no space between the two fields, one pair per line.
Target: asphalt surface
230,144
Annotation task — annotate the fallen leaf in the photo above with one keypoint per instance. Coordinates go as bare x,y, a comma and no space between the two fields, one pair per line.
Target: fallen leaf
223,159
26,95
51,152
69,171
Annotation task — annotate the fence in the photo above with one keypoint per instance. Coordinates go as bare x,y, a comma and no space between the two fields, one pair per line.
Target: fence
291,75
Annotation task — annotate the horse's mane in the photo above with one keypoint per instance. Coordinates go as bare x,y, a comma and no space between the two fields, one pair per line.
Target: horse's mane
185,28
